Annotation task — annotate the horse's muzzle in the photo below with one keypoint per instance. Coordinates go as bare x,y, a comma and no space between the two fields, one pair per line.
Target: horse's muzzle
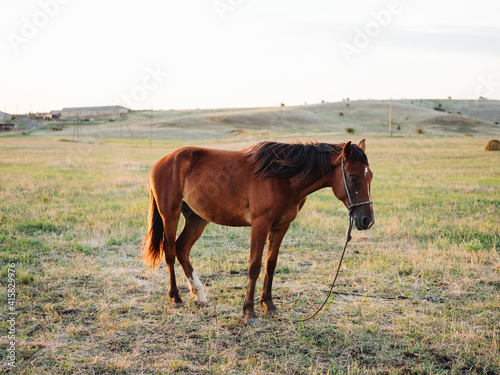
363,222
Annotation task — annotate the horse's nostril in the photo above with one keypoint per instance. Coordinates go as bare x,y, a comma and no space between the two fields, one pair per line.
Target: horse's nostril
366,222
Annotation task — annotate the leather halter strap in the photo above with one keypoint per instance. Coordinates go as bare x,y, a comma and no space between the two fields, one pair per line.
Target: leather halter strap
351,205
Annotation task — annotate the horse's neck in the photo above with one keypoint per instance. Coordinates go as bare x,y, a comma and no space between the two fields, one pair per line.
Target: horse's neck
313,183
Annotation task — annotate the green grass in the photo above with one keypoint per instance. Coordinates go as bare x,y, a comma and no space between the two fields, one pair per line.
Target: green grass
73,216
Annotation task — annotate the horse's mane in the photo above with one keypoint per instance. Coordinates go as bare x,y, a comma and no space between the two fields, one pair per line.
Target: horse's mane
296,160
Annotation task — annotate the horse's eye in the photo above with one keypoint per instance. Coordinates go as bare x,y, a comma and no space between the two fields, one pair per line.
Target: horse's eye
353,179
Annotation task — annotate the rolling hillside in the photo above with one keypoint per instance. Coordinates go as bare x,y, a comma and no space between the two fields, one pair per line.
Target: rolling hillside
478,118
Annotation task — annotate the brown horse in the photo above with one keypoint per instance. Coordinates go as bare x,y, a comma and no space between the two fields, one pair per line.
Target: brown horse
263,186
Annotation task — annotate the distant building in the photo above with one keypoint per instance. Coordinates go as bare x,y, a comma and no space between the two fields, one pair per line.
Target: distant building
40,116
55,115
82,112
5,116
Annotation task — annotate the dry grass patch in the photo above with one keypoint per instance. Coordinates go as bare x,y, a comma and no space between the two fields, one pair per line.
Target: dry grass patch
73,224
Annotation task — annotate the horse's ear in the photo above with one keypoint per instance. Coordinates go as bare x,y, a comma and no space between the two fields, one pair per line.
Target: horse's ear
347,150
362,145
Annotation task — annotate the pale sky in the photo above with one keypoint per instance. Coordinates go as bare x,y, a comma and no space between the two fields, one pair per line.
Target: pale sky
170,54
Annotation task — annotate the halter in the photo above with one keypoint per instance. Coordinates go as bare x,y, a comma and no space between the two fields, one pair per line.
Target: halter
348,239
351,205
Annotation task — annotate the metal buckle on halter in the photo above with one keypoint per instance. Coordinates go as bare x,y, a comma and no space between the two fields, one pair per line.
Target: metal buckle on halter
351,205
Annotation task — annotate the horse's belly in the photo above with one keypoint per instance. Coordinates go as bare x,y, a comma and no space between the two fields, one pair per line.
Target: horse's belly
223,205
220,211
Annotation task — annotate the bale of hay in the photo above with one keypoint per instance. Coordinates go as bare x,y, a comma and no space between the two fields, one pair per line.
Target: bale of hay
492,145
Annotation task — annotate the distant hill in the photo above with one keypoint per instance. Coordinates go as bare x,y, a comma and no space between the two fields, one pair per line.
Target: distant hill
475,117
434,116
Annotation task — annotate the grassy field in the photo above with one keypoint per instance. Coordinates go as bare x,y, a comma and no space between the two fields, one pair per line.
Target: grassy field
73,216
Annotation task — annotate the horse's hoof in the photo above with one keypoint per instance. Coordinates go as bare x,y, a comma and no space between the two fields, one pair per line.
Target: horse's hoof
201,303
252,322
273,312
177,301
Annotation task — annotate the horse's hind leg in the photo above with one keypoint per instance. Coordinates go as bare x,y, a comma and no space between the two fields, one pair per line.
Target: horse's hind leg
170,211
193,228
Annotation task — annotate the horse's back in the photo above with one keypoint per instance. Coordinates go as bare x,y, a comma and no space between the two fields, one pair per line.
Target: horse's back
213,183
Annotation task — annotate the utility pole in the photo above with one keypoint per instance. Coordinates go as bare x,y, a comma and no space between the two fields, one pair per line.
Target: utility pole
151,129
76,131
390,119
124,122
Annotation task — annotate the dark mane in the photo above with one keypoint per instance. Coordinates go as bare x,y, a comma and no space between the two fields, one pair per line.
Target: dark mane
296,160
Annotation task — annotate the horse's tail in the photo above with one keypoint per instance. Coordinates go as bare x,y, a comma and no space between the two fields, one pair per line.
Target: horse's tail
152,247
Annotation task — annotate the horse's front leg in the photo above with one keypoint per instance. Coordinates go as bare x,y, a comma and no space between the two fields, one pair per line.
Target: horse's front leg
257,241
273,247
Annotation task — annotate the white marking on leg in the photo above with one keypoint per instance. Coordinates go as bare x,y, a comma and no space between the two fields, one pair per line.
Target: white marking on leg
196,289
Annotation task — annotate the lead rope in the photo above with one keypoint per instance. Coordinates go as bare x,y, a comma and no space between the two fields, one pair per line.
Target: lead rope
351,222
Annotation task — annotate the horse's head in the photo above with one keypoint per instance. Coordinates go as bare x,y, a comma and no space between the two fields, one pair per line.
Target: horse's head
352,182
